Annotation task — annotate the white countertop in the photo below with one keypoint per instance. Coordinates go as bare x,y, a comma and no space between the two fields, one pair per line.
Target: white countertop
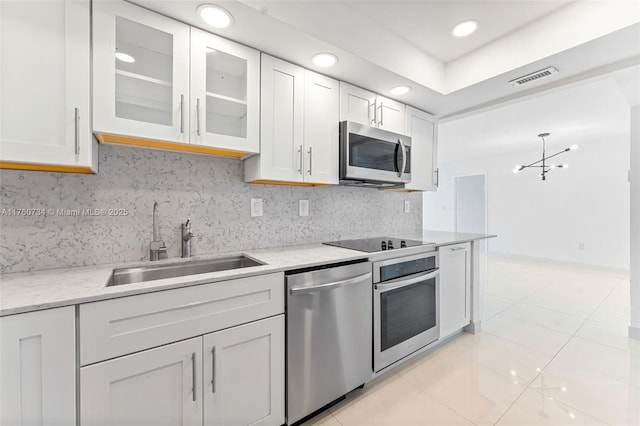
31,291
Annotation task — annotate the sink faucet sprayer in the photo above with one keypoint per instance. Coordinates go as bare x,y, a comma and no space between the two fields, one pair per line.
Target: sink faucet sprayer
187,236
157,248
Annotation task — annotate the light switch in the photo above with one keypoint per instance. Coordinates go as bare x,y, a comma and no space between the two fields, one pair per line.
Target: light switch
303,208
256,207
407,206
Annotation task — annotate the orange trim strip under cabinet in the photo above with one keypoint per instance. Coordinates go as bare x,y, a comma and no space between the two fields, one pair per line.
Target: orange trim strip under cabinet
45,168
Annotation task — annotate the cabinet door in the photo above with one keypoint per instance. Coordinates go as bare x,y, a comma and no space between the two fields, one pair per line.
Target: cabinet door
44,83
321,115
281,126
244,375
161,386
422,129
225,93
455,279
357,105
390,115
140,73
38,368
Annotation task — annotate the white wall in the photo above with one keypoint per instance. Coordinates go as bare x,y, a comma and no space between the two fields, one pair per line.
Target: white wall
587,203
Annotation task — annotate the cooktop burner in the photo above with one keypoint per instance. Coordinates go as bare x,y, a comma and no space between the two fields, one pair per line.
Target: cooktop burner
372,245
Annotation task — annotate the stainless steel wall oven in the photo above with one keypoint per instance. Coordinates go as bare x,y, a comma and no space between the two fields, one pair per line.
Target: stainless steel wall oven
405,306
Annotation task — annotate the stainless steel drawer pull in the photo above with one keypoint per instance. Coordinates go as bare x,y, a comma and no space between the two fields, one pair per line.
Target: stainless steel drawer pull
77,130
458,248
330,286
213,369
193,376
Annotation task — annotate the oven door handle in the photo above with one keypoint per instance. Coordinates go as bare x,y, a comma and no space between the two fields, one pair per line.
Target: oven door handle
402,282
330,286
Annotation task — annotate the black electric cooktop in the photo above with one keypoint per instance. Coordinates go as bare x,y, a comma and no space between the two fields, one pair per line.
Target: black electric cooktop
372,245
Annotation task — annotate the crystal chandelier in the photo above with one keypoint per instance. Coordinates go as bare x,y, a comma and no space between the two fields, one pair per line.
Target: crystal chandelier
546,168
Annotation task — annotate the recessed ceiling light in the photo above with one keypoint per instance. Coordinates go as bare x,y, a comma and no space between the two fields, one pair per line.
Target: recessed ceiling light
324,60
400,90
215,16
465,28
125,58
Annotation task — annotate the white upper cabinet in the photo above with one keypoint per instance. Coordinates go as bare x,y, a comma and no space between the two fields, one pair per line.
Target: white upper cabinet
225,93
298,126
422,128
140,73
38,368
364,107
44,86
321,120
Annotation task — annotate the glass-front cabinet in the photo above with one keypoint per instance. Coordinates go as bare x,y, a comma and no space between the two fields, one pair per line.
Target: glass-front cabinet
225,79
158,82
141,73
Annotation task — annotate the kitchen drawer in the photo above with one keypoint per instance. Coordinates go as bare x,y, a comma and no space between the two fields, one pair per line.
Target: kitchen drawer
117,327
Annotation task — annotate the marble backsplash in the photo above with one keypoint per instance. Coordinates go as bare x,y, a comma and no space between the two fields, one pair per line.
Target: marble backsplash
209,190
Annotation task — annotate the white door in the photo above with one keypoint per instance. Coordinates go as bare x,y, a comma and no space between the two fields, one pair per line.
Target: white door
390,115
244,375
321,115
44,83
470,204
38,368
282,131
357,105
225,93
422,129
161,386
455,296
140,73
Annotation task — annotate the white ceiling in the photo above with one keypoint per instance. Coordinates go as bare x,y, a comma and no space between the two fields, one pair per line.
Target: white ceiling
425,24
383,43
584,112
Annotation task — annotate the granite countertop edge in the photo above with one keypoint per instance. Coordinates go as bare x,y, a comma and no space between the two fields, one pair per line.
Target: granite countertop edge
53,288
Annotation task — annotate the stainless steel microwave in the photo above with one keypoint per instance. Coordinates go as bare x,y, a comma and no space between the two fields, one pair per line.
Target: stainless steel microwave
373,157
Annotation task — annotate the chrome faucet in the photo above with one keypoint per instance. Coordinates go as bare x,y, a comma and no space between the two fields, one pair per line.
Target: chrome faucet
187,236
157,248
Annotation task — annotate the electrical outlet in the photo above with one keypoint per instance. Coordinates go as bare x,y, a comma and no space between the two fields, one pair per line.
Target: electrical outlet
256,207
580,246
407,206
303,208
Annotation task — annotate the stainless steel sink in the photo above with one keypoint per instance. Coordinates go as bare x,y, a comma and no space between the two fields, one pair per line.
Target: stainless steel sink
181,269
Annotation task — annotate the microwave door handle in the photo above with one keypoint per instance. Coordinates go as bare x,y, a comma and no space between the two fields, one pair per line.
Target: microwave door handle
402,282
404,158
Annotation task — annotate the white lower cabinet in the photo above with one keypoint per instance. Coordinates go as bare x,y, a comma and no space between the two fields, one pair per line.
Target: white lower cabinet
161,386
455,291
244,375
231,377
38,368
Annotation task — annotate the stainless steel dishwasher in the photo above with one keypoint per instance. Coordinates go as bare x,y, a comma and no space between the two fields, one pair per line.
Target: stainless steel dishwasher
329,341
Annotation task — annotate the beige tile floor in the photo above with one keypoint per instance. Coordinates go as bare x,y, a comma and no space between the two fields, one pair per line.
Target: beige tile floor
553,351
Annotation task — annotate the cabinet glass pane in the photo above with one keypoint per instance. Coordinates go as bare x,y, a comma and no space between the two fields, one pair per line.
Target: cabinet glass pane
226,94
144,73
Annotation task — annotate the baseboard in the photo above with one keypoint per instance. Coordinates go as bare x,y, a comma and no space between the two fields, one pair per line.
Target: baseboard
532,259
473,327
634,332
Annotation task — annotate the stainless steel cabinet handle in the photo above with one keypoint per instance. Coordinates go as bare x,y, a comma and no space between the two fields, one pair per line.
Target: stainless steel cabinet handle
193,376
300,155
310,161
213,369
437,177
402,282
404,158
330,286
198,116
181,113
77,130
381,114
375,113
458,248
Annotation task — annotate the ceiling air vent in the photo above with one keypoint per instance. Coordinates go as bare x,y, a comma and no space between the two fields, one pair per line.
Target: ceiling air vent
536,75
